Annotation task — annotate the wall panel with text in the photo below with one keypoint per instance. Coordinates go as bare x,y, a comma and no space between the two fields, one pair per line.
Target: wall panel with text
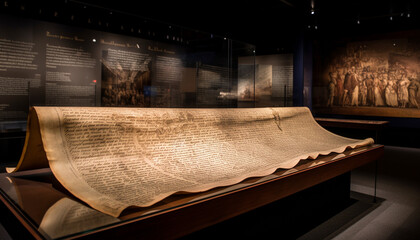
49,64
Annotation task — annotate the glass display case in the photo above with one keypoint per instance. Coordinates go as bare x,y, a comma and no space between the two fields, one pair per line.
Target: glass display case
47,211
55,62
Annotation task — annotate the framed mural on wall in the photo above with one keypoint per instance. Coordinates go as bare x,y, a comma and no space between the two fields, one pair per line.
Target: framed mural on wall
379,77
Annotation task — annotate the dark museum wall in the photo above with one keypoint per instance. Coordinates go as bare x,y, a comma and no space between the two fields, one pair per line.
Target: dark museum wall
73,53
312,31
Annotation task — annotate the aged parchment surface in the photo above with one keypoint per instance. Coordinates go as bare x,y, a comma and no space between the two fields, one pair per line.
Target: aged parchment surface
113,158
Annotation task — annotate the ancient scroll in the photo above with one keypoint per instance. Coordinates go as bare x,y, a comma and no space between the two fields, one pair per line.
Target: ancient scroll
113,158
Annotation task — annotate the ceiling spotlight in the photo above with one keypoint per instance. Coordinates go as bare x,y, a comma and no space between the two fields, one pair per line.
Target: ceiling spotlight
358,21
408,15
316,27
94,40
390,18
312,11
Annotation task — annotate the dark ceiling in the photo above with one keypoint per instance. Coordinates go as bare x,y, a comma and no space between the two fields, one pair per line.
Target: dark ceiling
269,24
265,22
230,19
256,19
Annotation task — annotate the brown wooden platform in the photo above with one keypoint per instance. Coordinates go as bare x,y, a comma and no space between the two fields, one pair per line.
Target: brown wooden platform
352,123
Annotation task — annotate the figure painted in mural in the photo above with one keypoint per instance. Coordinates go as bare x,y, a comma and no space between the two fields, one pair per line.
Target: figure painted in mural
391,98
413,89
363,93
331,89
339,88
355,93
355,82
350,82
402,91
370,96
382,85
362,87
377,92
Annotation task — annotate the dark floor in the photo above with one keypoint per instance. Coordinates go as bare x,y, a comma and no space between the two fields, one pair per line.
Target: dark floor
394,215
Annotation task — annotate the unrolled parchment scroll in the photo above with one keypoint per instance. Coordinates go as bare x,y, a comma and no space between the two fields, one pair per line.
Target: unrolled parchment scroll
113,158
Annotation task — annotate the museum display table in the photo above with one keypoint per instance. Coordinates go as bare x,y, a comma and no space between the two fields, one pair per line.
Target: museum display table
373,125
32,207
